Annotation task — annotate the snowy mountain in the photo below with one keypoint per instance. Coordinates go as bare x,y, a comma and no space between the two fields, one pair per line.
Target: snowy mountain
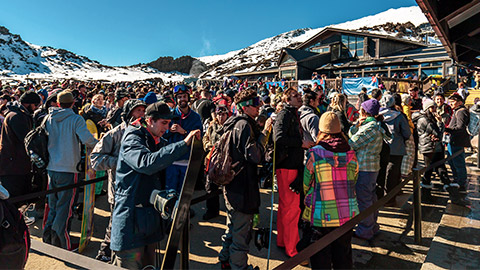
20,59
264,54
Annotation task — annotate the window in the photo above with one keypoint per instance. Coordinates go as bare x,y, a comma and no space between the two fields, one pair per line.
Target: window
287,59
287,74
321,49
353,45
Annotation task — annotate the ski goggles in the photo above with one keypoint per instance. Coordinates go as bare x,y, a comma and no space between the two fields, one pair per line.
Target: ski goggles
180,88
221,109
255,102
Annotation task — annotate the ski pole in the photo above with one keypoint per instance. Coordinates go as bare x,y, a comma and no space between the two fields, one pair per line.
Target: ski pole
271,209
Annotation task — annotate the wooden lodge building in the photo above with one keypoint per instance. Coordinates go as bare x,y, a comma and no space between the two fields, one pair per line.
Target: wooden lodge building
348,53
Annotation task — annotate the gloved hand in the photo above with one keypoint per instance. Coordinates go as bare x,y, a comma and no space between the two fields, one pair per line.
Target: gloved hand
297,185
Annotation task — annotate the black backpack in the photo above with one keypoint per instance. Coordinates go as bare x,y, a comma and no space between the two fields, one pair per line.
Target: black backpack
36,145
14,237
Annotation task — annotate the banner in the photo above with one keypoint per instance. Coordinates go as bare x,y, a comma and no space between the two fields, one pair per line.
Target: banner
353,86
276,84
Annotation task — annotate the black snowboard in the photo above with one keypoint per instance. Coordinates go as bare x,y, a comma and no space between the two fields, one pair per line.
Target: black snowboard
181,216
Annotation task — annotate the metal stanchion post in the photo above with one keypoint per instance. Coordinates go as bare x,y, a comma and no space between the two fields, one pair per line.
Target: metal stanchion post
417,207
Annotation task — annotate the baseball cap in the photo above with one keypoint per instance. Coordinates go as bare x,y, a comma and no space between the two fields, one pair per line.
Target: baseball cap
159,110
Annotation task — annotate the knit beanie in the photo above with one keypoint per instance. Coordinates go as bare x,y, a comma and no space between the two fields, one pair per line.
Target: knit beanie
371,106
427,104
30,97
329,123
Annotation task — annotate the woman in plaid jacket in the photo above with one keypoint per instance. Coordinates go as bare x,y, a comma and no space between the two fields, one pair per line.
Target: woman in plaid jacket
329,185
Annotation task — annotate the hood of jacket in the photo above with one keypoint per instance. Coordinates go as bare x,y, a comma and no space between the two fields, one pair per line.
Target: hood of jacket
389,114
336,145
305,110
59,114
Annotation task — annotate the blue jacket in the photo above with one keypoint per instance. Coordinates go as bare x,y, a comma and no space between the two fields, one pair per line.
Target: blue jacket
140,167
190,121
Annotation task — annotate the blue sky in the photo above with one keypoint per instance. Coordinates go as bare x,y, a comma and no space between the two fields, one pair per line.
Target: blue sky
129,32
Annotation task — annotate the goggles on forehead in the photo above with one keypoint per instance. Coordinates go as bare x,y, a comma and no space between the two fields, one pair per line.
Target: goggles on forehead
255,102
180,88
222,110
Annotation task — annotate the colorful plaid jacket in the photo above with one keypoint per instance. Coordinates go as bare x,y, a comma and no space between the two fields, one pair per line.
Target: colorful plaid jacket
329,185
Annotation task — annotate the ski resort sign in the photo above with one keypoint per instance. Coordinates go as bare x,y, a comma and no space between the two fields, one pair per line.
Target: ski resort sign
353,86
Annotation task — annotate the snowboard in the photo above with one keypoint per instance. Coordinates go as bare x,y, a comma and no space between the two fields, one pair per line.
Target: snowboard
182,215
88,195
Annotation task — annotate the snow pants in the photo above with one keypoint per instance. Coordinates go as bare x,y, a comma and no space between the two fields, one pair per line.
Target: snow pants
288,212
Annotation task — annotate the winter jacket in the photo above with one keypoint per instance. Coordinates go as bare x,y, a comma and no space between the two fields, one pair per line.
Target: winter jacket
309,122
140,169
213,134
96,115
367,140
427,127
329,186
189,122
243,193
65,132
104,156
446,112
458,127
114,117
288,139
14,159
398,126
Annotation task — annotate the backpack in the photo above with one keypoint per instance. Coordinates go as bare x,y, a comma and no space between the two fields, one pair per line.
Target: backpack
14,237
36,145
218,163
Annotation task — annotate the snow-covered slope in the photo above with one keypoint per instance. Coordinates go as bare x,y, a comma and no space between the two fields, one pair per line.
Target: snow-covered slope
20,59
265,53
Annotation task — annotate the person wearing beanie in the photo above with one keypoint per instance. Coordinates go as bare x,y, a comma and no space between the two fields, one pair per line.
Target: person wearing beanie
15,164
397,124
366,138
104,157
289,157
114,117
66,130
430,133
150,98
320,188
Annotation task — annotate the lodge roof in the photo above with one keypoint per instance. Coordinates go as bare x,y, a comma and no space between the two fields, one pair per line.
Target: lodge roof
328,30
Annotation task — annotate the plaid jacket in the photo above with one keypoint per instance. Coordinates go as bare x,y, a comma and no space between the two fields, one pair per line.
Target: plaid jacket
366,140
329,185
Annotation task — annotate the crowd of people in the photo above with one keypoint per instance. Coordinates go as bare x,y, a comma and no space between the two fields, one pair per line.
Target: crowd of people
332,159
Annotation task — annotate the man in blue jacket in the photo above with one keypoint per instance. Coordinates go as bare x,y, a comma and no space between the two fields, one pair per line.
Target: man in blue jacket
143,157
186,120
